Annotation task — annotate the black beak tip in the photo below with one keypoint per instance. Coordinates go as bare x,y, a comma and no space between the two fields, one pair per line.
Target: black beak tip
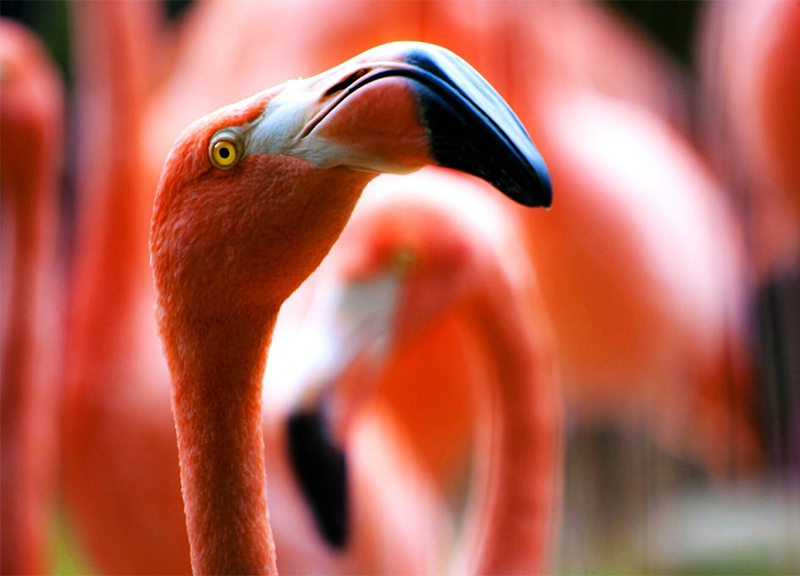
533,188
542,194
472,129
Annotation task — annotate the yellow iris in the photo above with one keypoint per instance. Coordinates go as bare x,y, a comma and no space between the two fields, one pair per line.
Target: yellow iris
223,151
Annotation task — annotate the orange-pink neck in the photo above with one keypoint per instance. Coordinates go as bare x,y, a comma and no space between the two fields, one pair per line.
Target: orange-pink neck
217,367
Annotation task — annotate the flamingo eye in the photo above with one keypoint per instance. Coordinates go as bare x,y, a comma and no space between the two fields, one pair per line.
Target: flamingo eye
224,150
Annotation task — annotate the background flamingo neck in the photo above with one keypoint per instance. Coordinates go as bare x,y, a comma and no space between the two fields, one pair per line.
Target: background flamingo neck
116,195
27,371
514,512
217,366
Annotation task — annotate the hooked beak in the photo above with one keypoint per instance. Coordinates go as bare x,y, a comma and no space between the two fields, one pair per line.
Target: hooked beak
401,106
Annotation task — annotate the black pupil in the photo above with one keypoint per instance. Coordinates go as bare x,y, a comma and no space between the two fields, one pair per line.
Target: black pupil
224,152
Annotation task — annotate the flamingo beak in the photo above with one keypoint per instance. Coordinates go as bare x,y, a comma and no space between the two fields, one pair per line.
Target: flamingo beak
401,106
470,127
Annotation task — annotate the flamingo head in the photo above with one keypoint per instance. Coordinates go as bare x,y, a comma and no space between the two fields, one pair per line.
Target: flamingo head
253,196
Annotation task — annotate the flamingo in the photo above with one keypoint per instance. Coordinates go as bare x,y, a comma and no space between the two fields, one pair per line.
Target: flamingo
31,115
251,199
421,250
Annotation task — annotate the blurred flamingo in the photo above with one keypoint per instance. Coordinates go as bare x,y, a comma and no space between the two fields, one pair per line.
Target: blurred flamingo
31,117
432,254
587,46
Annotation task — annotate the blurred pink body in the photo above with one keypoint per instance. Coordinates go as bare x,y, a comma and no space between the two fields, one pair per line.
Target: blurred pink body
31,117
120,458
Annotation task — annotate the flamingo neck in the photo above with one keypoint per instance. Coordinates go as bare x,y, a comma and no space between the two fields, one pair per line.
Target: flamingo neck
27,403
116,192
217,365
514,513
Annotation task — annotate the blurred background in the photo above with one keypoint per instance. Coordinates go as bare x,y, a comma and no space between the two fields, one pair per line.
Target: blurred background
673,129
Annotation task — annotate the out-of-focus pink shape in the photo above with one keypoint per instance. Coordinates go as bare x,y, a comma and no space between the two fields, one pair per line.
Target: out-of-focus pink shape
751,73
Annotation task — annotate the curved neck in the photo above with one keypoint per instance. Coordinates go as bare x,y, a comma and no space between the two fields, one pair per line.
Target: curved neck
514,513
217,365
